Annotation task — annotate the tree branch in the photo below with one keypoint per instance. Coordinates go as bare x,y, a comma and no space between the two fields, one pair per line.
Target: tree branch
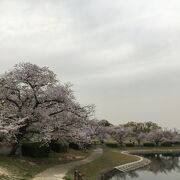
13,101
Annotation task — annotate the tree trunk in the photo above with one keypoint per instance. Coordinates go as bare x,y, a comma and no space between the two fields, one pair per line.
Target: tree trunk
19,137
14,149
139,142
121,143
157,143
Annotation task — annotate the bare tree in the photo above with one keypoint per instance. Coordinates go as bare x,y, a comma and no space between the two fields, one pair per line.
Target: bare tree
144,127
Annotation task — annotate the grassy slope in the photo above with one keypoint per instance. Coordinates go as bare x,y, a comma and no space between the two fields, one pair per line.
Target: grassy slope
107,161
26,168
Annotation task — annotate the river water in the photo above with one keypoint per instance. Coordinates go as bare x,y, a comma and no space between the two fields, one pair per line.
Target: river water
162,168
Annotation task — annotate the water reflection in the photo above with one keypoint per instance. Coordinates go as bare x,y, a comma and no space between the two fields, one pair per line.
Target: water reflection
163,164
162,167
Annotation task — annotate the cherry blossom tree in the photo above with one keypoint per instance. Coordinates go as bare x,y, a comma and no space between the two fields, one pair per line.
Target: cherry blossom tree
176,138
100,129
155,136
120,133
33,103
139,137
142,130
169,135
162,135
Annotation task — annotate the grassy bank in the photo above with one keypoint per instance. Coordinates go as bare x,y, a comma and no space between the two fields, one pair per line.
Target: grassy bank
27,168
155,148
112,157
109,159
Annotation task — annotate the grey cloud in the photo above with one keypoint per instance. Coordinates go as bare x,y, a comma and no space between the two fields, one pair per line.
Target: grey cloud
121,55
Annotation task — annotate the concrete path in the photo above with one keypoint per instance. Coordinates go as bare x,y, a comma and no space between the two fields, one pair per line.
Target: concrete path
59,171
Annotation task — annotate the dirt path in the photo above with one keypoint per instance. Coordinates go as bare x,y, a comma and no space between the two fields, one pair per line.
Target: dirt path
59,171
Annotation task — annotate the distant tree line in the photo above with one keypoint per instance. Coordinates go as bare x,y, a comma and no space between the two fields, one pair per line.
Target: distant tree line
137,133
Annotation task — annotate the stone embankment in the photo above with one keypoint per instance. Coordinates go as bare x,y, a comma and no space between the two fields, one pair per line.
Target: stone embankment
134,165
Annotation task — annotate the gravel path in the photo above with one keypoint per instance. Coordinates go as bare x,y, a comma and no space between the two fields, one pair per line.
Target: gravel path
59,171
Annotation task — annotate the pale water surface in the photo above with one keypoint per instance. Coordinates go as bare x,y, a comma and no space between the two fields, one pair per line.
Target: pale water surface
162,168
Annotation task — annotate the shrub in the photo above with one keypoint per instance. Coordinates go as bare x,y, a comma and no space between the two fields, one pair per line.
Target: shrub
74,146
80,146
59,146
129,144
148,144
176,143
95,142
87,145
68,177
166,144
112,144
35,149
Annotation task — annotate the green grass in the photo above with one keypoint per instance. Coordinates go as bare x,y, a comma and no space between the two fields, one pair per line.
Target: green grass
153,148
27,168
109,159
145,150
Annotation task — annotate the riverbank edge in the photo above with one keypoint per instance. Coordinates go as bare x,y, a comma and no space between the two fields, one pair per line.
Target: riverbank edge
139,152
142,162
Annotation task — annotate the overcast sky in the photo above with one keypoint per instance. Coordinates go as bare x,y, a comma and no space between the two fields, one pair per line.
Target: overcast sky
123,56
